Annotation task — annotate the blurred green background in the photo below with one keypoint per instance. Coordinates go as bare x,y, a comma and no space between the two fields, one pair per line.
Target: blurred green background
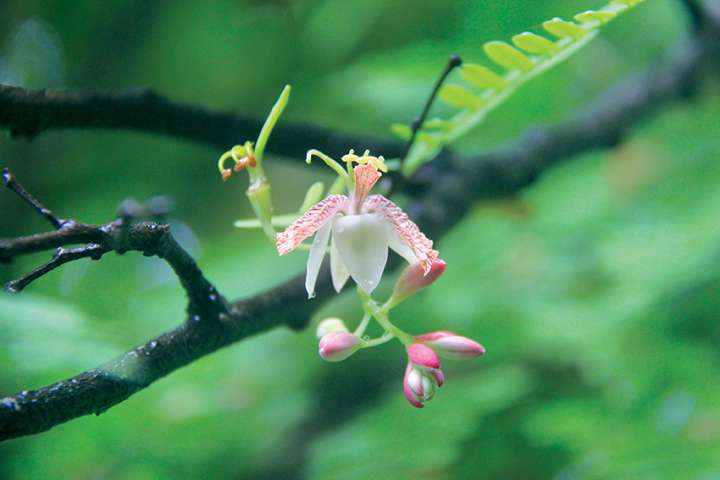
595,292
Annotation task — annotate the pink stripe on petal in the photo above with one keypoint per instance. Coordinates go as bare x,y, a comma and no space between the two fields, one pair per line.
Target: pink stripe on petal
406,229
310,222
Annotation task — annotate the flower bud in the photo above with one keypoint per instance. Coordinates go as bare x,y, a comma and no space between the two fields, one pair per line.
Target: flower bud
451,345
413,279
419,384
423,356
337,346
328,325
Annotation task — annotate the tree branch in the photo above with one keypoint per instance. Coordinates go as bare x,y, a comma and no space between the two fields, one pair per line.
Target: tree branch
27,113
442,193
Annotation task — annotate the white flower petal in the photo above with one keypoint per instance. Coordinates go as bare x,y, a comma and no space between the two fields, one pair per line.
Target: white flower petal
362,243
338,270
317,253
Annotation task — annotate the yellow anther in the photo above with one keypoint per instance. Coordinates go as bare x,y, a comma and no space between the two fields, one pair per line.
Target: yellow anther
243,156
366,158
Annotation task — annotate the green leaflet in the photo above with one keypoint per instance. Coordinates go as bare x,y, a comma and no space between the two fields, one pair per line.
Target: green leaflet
529,55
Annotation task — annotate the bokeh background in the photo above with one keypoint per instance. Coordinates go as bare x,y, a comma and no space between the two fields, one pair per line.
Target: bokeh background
595,292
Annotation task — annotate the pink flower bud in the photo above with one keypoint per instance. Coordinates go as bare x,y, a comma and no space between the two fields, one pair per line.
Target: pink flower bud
414,399
413,279
337,346
423,356
451,345
419,384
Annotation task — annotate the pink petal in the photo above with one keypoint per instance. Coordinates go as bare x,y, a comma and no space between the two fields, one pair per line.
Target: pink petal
409,394
414,278
428,337
423,356
451,345
408,232
309,223
439,377
365,178
337,346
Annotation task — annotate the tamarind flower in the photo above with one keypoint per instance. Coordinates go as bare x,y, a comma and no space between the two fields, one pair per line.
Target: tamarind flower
360,228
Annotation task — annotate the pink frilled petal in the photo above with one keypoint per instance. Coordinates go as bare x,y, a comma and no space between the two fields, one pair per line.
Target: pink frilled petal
423,356
415,400
407,231
310,222
451,345
365,178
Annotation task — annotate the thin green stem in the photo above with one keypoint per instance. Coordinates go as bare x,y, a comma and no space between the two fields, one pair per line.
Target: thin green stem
378,341
360,330
257,172
380,315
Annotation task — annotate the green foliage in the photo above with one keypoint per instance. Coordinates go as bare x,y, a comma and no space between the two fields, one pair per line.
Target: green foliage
530,56
595,292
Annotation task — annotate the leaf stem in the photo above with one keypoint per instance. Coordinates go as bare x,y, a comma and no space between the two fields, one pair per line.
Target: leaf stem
453,62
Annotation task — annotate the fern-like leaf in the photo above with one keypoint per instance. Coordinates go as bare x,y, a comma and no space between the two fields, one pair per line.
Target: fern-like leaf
528,56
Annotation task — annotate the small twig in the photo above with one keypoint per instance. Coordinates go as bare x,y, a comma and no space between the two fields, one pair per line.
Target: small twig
120,235
453,62
12,183
62,256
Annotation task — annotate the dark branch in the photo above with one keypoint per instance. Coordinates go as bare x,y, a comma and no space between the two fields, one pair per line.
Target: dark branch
61,257
453,62
442,193
12,184
27,113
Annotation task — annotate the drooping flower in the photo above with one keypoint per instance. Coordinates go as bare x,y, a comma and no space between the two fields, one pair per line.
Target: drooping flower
360,229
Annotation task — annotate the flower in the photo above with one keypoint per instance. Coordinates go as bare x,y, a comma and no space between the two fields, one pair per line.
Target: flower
337,346
360,228
422,375
451,345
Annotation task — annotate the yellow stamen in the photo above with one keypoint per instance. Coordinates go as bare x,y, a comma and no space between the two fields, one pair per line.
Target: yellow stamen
377,162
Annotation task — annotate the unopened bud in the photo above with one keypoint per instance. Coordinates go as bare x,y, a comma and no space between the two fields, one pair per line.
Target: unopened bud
419,384
414,278
451,345
337,346
329,325
423,356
